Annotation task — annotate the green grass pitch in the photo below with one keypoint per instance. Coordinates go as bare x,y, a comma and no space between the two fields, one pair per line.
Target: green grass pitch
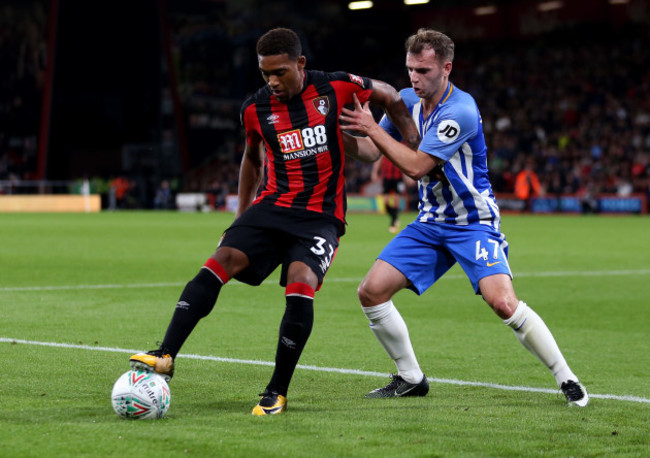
79,292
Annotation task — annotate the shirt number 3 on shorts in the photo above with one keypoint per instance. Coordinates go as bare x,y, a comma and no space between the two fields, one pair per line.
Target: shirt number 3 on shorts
319,250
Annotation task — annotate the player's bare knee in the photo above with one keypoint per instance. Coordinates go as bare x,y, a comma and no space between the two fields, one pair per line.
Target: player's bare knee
308,278
362,294
232,260
369,294
503,306
299,272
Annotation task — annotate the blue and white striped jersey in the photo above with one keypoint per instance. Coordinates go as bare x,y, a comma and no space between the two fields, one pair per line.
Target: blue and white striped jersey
453,132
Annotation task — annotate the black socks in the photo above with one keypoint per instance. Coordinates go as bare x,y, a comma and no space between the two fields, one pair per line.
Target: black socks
196,301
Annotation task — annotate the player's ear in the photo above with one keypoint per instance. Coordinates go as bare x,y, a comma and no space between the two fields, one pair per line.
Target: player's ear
302,61
447,68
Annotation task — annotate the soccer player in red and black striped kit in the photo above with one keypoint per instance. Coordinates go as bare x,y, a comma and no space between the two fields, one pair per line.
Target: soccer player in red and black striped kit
293,134
392,186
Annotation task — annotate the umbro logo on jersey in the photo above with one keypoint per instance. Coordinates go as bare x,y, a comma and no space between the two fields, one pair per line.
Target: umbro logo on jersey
272,119
182,305
448,131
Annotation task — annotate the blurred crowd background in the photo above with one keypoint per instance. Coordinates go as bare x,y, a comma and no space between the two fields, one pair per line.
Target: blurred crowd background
142,98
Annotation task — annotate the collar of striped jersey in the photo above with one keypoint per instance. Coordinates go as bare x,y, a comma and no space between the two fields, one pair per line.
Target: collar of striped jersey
425,123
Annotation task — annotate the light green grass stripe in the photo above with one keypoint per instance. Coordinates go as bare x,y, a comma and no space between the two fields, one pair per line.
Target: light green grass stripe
594,273
324,369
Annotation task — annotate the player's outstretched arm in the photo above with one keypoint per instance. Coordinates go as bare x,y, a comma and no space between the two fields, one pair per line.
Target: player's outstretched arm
251,173
390,100
414,164
360,148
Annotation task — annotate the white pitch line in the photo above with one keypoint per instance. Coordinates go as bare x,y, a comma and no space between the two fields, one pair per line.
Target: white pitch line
325,369
78,287
594,273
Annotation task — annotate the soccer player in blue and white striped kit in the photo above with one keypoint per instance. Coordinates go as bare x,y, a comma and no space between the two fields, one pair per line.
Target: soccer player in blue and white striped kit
458,221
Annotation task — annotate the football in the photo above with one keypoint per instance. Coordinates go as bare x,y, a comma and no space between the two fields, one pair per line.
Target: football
140,395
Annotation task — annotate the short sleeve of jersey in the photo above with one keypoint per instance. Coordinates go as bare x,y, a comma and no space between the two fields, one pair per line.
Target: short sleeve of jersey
361,86
456,124
249,122
409,99
389,127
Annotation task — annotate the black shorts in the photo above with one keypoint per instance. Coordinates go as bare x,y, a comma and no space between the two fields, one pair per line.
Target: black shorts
392,185
271,236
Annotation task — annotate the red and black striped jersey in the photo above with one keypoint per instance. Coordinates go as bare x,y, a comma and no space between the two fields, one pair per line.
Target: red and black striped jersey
303,141
389,171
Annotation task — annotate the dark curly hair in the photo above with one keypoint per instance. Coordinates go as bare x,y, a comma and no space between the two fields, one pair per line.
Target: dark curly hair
279,41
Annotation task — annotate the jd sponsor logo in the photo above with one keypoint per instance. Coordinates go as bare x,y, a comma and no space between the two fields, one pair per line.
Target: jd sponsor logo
448,131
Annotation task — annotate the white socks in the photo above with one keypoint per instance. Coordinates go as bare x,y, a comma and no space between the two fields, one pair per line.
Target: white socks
390,329
533,334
